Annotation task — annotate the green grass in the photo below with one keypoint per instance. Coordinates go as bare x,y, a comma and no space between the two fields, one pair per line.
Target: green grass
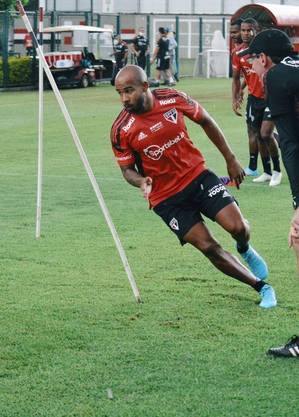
70,328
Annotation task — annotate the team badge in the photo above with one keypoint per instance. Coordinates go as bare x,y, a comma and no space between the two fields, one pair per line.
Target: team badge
174,224
171,116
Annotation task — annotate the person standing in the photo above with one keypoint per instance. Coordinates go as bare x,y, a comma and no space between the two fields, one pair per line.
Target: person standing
172,53
141,48
120,52
153,149
162,58
258,118
276,63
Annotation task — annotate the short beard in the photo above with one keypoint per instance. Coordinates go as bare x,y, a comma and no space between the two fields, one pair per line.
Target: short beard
140,106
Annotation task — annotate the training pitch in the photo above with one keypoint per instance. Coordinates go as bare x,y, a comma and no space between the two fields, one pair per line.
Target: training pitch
73,340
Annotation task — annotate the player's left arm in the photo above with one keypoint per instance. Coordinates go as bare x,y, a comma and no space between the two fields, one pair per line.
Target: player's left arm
215,134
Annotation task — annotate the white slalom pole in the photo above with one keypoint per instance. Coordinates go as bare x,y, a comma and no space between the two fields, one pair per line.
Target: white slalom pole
81,153
40,125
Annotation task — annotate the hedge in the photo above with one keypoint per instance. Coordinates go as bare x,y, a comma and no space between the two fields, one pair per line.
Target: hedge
20,71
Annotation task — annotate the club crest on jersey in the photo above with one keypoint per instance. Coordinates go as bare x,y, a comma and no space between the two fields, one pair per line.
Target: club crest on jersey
171,116
141,136
174,224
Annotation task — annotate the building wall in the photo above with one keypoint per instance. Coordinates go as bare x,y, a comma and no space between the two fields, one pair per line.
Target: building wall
156,6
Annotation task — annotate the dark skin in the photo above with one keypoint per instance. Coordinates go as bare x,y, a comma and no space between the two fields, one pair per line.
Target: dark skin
261,140
132,86
235,34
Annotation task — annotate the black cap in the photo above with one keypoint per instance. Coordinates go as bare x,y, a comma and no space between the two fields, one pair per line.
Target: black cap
272,42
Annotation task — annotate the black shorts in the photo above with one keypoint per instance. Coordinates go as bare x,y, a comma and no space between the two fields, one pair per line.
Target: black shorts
257,111
205,195
163,64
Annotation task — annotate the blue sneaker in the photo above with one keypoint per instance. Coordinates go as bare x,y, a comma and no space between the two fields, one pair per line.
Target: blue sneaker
268,296
256,263
251,172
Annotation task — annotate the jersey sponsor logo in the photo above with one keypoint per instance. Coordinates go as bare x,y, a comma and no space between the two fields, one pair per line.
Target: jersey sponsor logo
168,101
171,116
129,124
156,127
141,136
174,224
290,62
124,158
216,189
155,152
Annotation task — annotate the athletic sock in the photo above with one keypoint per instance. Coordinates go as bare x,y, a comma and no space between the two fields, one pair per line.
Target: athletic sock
267,165
259,285
253,161
276,163
242,248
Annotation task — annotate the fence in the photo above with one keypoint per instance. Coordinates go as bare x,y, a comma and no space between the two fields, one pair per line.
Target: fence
194,35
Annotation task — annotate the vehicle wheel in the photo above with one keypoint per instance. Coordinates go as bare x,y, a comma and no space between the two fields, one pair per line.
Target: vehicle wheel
84,81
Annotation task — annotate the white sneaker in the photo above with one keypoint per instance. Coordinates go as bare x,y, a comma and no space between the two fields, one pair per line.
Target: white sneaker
263,178
275,179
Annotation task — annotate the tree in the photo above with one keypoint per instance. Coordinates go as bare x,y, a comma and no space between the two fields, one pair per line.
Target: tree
10,4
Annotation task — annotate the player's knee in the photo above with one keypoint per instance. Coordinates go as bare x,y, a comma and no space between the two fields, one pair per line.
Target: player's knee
240,229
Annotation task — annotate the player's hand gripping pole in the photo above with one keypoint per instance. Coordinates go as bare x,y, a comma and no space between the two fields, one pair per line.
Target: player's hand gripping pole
81,152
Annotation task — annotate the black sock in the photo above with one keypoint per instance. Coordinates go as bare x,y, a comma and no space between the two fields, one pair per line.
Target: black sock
267,165
242,248
276,164
253,161
259,285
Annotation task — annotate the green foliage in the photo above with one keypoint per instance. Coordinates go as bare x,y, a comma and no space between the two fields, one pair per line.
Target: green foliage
10,4
20,70
70,328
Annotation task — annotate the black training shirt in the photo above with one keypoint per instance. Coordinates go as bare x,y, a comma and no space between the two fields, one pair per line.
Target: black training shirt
282,94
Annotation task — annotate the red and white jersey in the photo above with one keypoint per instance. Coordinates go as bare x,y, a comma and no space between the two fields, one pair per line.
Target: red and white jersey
158,143
254,84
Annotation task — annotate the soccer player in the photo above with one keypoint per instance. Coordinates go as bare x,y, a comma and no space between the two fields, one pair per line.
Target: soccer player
153,149
141,48
258,118
162,58
275,62
235,33
120,52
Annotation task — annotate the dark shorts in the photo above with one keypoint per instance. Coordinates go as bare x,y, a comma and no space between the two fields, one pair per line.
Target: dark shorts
163,64
257,111
206,195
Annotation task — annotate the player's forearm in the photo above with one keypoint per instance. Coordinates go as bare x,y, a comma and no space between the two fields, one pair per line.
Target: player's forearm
216,136
132,176
236,86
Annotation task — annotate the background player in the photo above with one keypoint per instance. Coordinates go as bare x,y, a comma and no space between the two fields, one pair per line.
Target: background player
258,118
141,48
150,132
275,61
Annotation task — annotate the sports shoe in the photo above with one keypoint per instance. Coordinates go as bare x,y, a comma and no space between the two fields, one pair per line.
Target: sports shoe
256,263
289,350
251,172
275,179
263,178
268,296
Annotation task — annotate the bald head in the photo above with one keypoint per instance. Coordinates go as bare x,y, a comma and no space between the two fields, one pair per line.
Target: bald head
132,86
132,74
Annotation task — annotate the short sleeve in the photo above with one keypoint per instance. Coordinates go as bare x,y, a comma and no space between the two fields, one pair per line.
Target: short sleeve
190,107
122,151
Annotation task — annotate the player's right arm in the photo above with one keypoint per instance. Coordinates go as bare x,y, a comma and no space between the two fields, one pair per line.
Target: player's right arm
236,88
134,178
126,159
